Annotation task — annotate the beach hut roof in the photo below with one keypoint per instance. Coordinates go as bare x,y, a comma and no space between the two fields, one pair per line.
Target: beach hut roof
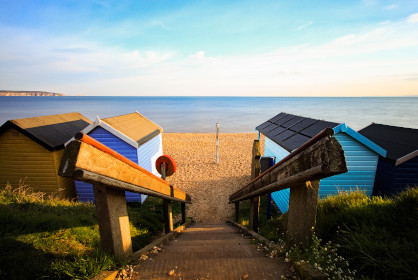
49,131
133,128
291,131
401,143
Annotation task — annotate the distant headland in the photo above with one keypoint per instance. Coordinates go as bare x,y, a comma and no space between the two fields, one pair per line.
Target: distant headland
28,93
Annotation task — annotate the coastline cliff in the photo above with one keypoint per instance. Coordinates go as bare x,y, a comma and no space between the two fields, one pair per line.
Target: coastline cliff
28,93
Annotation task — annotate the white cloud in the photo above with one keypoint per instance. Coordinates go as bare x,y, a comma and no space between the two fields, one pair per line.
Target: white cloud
304,26
160,24
391,7
198,55
413,18
358,62
370,2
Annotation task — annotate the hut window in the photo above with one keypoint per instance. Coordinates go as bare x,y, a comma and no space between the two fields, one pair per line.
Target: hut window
15,133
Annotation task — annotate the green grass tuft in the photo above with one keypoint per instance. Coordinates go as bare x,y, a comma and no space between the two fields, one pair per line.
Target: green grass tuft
378,236
47,237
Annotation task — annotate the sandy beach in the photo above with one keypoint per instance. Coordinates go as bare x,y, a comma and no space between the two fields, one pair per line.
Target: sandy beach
210,184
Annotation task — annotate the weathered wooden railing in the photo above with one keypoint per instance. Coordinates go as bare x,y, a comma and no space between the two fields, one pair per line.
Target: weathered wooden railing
111,175
320,157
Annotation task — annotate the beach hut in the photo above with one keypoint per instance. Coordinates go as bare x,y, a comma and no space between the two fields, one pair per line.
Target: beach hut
399,169
131,135
31,151
286,132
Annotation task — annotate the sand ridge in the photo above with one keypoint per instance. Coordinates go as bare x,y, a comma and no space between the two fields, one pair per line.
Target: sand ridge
210,184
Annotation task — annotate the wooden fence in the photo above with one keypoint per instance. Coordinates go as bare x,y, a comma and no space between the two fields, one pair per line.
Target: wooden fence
321,157
111,175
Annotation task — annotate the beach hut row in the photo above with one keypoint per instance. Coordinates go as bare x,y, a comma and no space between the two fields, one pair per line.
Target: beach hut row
31,149
381,159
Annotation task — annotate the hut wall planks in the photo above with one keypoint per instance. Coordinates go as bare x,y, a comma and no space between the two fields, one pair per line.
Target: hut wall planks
272,149
149,152
361,164
24,160
391,179
85,190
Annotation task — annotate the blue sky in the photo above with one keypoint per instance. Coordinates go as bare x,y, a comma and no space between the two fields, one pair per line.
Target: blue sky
232,48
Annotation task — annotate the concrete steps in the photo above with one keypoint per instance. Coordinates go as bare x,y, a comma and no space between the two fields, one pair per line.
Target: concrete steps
211,251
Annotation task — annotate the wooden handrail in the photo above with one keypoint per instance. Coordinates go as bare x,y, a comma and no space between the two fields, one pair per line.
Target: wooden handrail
93,142
322,147
301,171
89,160
327,132
112,174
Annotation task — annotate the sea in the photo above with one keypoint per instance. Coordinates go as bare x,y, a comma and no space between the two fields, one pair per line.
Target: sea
234,114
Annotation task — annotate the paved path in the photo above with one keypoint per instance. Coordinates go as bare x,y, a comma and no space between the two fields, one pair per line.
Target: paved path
211,251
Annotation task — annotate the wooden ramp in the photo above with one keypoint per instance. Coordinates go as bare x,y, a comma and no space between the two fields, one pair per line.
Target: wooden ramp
211,251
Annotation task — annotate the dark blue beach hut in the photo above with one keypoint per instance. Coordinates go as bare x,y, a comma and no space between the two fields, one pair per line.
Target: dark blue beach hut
131,135
400,167
286,132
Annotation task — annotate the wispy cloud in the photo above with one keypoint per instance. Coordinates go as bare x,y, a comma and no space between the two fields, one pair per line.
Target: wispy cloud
370,2
377,59
413,18
391,7
160,24
198,55
304,26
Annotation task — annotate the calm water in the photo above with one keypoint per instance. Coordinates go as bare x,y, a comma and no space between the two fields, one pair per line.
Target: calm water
234,114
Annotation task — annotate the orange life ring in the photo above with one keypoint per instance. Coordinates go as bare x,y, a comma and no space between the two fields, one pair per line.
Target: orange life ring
170,165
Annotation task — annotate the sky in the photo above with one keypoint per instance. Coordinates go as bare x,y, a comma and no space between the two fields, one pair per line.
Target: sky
210,48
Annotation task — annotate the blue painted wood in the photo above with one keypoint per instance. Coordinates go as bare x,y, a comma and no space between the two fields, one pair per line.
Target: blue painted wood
343,128
391,179
361,165
147,155
84,190
149,152
272,149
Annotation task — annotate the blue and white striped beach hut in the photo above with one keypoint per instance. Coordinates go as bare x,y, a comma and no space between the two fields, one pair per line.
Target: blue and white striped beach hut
132,136
286,132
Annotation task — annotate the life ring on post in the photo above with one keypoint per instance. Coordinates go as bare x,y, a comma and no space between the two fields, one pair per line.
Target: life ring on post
170,165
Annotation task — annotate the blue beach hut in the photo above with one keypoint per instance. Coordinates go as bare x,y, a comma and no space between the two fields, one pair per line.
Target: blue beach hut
399,169
131,135
286,132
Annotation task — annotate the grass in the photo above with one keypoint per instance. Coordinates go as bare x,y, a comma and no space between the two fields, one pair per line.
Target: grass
46,237
376,236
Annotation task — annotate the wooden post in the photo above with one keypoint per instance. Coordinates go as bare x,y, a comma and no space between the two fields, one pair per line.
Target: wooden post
302,211
168,213
112,215
237,211
255,163
183,212
168,216
217,144
269,206
254,212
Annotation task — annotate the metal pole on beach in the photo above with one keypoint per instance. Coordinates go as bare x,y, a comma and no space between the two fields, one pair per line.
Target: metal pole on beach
217,144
